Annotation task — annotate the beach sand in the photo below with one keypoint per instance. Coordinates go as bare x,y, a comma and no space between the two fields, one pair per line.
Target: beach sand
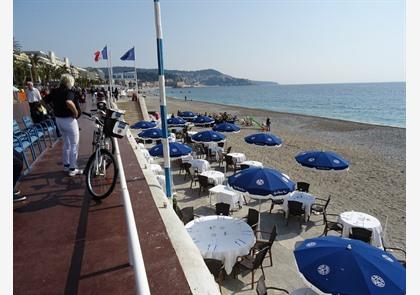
375,182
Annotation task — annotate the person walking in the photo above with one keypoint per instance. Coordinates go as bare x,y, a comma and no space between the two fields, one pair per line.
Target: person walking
67,110
268,124
33,96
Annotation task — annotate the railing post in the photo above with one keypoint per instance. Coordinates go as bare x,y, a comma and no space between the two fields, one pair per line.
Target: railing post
134,249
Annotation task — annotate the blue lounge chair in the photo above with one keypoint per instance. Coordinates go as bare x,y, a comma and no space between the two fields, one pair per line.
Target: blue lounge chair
31,135
45,128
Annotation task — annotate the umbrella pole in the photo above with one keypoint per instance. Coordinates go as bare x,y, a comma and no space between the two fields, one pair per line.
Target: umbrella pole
259,217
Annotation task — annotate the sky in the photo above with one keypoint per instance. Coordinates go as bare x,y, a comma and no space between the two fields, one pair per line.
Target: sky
289,42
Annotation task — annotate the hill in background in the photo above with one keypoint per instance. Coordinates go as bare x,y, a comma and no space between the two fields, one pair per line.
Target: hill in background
208,77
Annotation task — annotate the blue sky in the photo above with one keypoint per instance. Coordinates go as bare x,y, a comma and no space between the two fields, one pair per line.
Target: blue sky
290,42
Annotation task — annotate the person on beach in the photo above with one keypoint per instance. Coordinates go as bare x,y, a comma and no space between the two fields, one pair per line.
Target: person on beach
268,124
185,98
67,112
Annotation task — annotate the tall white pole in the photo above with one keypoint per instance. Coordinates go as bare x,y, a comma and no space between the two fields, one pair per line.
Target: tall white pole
162,97
110,68
135,75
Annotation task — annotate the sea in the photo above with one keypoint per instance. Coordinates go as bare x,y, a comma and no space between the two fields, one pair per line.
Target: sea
374,103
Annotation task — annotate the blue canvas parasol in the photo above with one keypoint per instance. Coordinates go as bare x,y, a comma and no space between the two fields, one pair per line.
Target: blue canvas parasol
264,139
345,266
322,160
176,121
144,125
261,183
226,127
203,120
153,133
176,150
208,136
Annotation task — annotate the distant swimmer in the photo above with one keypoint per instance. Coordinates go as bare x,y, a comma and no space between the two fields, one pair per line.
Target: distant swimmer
185,98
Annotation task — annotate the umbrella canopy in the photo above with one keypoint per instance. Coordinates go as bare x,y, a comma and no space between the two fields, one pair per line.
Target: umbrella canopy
265,139
208,136
176,150
226,127
344,266
176,121
203,120
261,183
144,125
322,160
153,133
187,115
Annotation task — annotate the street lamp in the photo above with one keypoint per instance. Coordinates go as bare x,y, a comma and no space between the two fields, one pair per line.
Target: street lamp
30,72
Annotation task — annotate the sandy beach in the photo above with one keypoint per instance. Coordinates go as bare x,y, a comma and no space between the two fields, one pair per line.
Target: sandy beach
375,182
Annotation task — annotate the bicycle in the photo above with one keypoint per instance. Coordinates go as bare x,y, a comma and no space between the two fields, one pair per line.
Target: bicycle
101,169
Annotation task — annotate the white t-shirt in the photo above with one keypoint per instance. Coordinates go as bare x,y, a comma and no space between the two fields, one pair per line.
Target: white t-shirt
33,95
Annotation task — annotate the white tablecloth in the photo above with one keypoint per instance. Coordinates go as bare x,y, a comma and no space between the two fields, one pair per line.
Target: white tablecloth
351,219
306,199
221,237
156,168
223,194
200,164
252,163
147,155
214,177
237,157
187,159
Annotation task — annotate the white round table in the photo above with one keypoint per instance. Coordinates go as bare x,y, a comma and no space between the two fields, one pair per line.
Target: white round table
200,164
187,159
214,177
252,163
306,199
221,237
237,157
156,168
223,194
351,219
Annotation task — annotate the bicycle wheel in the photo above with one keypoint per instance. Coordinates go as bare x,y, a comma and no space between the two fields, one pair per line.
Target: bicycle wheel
101,174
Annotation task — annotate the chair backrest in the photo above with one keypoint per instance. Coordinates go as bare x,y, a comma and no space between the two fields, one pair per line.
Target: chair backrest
221,144
215,266
229,160
222,209
187,167
187,214
295,208
273,235
203,180
302,186
260,257
228,150
326,203
252,218
360,233
244,166
27,121
16,127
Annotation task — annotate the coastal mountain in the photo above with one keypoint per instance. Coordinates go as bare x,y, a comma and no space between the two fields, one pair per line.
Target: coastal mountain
208,77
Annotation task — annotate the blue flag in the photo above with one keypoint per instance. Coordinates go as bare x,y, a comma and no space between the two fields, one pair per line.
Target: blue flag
129,55
104,53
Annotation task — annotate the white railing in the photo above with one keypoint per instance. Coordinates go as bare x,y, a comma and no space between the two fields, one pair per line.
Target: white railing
134,249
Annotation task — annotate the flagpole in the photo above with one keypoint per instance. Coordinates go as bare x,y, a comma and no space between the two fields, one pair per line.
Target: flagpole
112,72
162,97
135,75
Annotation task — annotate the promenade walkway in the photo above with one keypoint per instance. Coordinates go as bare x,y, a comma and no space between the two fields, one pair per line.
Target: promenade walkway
65,243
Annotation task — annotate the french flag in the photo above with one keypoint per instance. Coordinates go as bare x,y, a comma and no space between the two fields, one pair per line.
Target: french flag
101,54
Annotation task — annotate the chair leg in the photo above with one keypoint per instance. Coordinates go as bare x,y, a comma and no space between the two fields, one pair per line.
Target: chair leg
271,257
271,207
252,284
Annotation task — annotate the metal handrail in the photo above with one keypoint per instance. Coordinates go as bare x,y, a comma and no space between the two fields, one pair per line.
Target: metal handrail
134,249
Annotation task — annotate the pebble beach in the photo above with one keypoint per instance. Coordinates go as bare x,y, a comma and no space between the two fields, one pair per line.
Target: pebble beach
375,182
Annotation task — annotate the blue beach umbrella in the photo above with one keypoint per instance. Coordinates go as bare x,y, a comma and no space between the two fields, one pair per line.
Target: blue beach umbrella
322,160
176,121
226,127
261,183
264,139
176,150
208,136
187,115
144,125
203,120
344,266
153,133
